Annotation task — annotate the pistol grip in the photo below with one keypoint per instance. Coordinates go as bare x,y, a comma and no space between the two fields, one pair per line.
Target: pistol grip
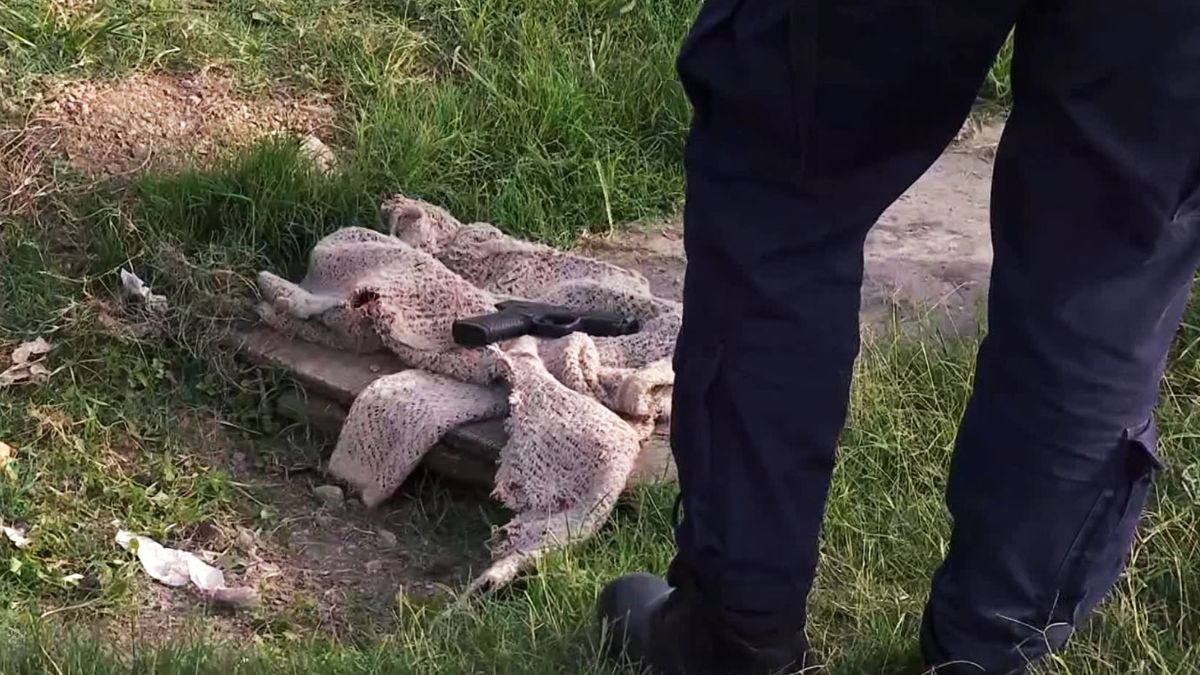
483,330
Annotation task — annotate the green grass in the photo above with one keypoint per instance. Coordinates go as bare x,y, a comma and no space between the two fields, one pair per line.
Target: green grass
997,87
550,119
546,117
885,530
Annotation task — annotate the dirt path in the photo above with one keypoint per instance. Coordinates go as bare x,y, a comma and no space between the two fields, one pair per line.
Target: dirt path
928,257
930,253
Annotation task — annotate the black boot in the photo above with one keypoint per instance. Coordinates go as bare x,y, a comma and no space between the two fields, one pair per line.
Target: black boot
652,624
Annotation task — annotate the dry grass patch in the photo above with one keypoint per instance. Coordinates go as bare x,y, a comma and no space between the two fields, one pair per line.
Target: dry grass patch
163,121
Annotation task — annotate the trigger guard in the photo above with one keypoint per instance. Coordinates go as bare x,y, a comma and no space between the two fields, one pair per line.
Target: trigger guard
556,330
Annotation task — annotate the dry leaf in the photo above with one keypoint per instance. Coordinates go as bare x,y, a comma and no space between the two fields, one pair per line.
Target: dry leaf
27,350
27,364
321,156
25,373
137,291
17,536
237,598
6,454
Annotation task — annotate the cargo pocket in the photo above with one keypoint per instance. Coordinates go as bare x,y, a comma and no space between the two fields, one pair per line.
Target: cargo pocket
714,16
1099,552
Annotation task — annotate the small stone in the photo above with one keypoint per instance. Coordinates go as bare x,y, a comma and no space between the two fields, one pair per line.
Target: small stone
240,461
246,540
387,539
426,596
237,598
320,154
375,566
330,495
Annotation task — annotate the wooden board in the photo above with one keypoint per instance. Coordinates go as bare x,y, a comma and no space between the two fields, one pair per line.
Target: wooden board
332,379
332,373
474,466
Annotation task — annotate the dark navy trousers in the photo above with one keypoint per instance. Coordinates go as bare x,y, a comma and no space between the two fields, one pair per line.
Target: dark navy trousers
810,118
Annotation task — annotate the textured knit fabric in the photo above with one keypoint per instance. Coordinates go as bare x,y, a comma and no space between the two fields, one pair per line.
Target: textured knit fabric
577,407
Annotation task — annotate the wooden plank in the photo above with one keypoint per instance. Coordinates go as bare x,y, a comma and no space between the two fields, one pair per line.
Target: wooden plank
469,455
473,467
341,377
319,413
448,462
479,439
335,374
655,464
332,379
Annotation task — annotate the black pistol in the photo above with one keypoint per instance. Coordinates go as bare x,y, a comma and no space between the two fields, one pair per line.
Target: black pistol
517,317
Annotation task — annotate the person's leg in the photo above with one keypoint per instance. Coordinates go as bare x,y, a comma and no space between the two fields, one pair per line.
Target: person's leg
1096,229
811,117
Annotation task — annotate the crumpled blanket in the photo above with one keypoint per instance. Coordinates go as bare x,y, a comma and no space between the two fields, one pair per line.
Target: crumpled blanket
577,407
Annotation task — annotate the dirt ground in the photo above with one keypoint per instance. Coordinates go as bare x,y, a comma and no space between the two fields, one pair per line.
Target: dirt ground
336,569
121,127
927,259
